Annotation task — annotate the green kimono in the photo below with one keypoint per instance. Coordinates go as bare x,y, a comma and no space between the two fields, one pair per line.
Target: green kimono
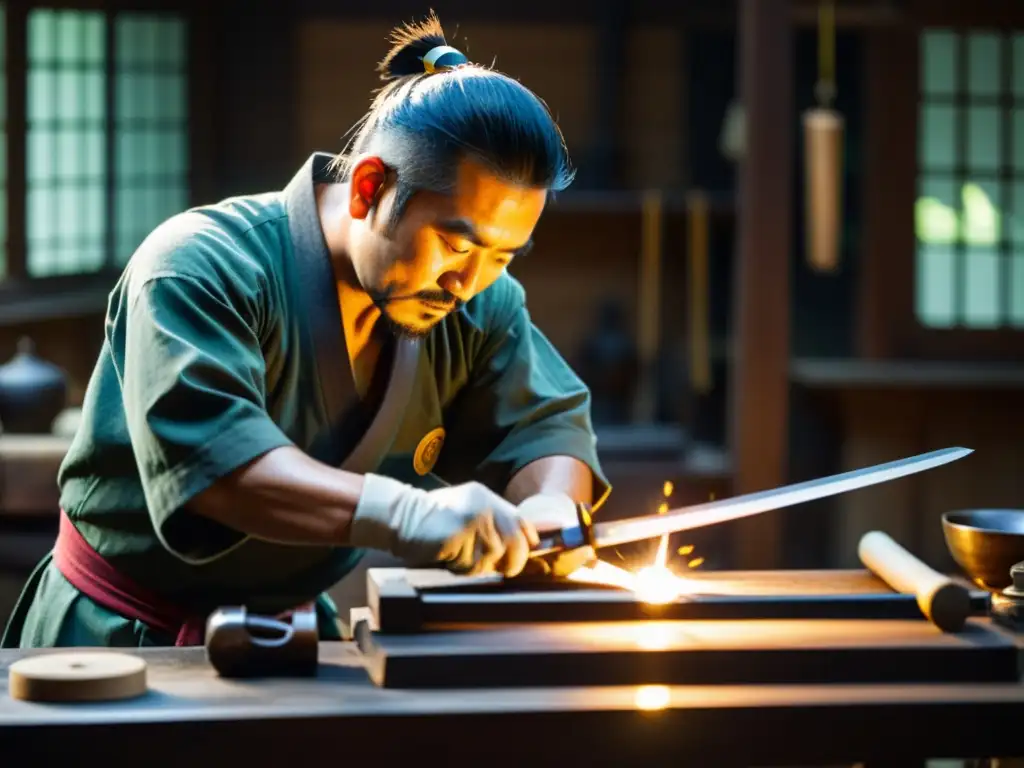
223,341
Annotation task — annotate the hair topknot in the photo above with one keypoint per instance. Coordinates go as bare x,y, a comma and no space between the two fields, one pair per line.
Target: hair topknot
409,44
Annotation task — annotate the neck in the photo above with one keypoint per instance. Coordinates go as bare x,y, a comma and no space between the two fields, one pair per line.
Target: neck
358,312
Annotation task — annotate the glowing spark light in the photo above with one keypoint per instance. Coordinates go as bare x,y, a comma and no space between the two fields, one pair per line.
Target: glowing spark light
652,698
655,584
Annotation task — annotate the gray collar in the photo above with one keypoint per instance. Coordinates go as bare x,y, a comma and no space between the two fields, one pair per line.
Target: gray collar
318,295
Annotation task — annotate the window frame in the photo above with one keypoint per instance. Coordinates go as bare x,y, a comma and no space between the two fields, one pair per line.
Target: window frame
1004,177
888,326
22,296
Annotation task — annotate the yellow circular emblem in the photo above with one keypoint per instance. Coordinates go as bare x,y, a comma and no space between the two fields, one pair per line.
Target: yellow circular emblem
428,450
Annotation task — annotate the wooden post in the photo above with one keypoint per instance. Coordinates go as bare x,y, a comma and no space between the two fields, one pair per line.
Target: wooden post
612,20
649,307
760,368
698,279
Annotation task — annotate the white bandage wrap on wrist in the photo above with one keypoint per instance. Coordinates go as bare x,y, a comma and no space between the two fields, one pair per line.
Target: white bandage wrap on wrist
387,513
555,508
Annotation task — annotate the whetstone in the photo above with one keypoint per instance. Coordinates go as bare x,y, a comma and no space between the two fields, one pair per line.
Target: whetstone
78,676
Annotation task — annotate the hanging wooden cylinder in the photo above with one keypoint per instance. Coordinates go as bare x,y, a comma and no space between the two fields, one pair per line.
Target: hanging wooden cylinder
823,160
699,283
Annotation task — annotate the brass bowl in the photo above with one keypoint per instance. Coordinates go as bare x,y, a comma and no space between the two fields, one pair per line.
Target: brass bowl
986,543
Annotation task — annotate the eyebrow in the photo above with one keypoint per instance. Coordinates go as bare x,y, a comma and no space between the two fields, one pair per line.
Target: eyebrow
464,228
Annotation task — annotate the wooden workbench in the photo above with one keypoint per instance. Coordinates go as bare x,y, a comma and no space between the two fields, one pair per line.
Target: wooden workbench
192,716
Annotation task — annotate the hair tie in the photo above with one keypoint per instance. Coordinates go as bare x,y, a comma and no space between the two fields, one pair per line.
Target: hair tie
443,57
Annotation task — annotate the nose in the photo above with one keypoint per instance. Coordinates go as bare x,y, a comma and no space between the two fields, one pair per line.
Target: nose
462,282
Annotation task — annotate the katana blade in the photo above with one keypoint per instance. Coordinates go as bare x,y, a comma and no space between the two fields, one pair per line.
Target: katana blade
615,532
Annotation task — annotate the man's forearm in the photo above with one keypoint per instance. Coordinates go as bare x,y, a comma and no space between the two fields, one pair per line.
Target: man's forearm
285,497
552,474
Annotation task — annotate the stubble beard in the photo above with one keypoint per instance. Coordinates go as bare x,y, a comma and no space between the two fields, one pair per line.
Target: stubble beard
382,300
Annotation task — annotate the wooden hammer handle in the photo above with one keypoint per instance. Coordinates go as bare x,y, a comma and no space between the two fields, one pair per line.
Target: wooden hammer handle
946,603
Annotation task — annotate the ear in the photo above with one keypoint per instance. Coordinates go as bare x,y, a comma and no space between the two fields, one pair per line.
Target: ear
367,178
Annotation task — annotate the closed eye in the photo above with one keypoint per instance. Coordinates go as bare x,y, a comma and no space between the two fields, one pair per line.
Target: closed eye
451,247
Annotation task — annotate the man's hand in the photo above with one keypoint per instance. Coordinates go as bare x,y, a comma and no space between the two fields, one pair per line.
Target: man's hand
468,528
551,512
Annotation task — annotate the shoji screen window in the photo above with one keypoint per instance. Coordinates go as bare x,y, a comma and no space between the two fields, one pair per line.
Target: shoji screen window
151,126
3,150
970,208
107,150
66,143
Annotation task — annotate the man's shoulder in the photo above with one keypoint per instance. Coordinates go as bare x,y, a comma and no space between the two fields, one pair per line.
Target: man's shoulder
497,305
237,240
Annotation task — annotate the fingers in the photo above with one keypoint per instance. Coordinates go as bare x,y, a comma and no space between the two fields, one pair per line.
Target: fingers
460,554
564,563
517,546
530,532
502,545
492,536
490,545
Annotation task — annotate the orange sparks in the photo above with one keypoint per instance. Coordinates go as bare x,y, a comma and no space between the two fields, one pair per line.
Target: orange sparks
655,583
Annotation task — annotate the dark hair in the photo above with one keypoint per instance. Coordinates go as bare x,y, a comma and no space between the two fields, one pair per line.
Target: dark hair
431,114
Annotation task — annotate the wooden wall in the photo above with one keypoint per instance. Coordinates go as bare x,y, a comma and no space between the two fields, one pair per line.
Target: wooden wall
332,79
323,80
886,424
881,423
335,78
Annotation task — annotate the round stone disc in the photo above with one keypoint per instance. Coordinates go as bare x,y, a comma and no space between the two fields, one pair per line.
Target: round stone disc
77,676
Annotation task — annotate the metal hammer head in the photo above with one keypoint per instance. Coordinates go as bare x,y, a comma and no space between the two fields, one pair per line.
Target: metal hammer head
240,644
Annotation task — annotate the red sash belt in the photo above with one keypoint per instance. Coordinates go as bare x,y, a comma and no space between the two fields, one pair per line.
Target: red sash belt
97,579
94,577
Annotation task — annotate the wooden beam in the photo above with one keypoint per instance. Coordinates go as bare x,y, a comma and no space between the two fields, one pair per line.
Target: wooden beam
16,76
203,125
452,12
760,376
257,73
693,13
609,84
890,187
997,14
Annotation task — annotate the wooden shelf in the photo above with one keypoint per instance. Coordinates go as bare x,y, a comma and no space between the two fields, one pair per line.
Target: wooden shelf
630,201
663,450
56,298
846,374
28,474
15,447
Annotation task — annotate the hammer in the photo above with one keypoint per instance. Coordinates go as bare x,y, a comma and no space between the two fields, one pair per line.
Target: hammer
943,601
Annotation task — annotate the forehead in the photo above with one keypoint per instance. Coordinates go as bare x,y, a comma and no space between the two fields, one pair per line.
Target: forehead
499,209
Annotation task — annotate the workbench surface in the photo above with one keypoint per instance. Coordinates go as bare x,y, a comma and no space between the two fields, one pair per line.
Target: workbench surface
192,715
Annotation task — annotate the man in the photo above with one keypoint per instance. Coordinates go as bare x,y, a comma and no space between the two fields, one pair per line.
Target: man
287,378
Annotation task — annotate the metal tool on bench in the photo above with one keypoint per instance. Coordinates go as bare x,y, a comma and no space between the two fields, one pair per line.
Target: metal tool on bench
1008,605
988,545
615,532
241,644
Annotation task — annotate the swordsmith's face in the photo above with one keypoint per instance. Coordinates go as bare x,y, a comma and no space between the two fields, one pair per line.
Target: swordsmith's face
445,249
